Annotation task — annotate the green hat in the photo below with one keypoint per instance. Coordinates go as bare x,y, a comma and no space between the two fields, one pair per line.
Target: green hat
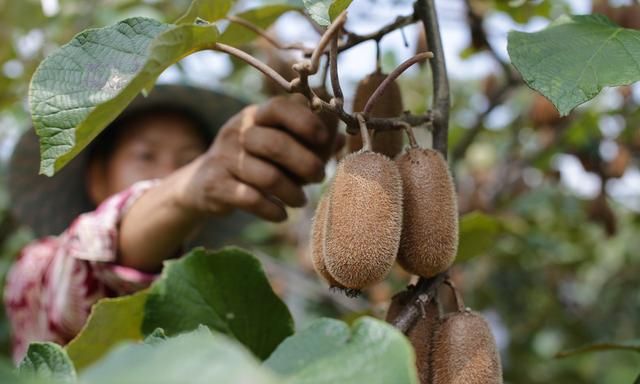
49,204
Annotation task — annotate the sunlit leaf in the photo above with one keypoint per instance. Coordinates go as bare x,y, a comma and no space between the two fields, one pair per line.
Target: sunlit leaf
571,60
328,352
262,17
79,89
111,321
324,12
197,357
208,10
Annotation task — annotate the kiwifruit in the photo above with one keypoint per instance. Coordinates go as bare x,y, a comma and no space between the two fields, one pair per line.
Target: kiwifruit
430,220
464,351
364,219
421,334
317,240
389,104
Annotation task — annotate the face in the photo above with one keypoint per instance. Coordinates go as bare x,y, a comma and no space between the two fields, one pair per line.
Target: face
147,148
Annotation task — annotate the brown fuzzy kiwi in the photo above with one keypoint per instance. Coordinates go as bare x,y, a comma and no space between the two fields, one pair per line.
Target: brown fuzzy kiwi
317,240
421,334
389,104
464,351
430,220
364,219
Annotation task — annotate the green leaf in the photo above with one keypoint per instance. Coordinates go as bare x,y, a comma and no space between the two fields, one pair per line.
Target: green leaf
478,233
372,352
195,357
337,7
630,345
48,361
571,60
110,322
226,291
209,10
79,89
324,12
262,17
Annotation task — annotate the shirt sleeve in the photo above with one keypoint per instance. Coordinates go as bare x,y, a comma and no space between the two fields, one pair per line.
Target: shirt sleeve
55,281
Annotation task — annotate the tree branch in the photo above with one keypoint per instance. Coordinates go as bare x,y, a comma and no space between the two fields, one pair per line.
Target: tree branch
426,11
257,64
421,294
354,39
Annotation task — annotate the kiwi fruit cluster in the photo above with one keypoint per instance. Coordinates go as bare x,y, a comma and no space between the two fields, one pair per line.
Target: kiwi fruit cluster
379,210
457,348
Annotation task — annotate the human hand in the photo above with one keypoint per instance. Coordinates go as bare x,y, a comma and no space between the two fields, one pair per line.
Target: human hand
259,161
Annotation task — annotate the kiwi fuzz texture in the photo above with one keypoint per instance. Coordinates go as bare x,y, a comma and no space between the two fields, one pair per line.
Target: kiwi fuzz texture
421,334
317,240
430,220
464,351
364,220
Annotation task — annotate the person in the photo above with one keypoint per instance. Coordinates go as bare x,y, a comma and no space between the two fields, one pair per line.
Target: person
146,185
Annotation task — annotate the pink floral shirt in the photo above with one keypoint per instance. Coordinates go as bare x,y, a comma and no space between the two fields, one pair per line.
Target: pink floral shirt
55,281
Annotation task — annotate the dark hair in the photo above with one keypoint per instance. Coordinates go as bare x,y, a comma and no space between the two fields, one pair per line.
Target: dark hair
104,145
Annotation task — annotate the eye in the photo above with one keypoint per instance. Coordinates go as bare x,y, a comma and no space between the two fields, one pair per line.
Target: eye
144,155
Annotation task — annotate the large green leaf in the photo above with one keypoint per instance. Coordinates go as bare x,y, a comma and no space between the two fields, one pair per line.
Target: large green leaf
78,90
372,352
111,321
325,11
572,59
48,361
630,345
195,357
226,291
209,10
478,233
262,17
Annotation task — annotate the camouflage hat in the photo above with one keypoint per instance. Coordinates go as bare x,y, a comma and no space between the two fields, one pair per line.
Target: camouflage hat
49,204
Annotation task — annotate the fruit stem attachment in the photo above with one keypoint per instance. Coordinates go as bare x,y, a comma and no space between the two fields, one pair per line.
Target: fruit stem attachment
423,292
456,294
257,64
413,143
392,76
338,96
364,132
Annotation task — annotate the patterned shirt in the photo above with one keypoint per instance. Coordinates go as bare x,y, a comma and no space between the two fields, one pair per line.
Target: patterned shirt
55,281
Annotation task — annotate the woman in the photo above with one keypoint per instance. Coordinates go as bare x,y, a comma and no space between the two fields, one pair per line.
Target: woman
145,186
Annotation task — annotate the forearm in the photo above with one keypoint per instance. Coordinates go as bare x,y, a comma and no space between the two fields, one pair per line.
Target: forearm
155,227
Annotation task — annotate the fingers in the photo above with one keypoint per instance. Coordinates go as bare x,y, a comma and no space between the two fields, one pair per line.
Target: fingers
296,118
246,197
267,178
280,148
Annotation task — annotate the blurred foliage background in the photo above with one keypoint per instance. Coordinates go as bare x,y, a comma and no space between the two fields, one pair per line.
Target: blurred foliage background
550,251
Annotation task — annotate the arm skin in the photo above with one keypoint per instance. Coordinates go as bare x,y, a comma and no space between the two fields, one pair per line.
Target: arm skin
259,162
